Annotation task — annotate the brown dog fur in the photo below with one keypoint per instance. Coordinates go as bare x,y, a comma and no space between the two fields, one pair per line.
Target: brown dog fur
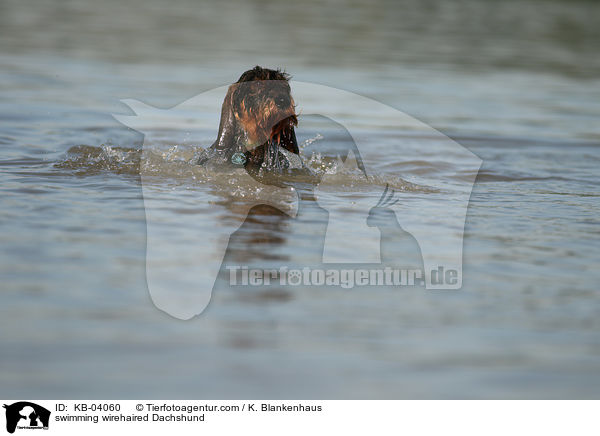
258,114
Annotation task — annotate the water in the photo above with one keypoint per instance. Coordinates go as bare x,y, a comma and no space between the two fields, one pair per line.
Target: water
515,83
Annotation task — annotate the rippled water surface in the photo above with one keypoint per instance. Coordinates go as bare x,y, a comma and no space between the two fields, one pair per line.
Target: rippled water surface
516,83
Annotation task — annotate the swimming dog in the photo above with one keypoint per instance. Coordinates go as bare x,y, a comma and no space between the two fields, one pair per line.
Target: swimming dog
257,123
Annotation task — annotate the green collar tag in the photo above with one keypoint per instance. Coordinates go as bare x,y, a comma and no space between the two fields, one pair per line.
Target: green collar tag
238,158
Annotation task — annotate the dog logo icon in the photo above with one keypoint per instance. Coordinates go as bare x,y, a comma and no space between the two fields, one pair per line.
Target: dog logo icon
181,272
26,415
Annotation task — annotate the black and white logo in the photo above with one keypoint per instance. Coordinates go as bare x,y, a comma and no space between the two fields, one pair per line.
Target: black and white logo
26,415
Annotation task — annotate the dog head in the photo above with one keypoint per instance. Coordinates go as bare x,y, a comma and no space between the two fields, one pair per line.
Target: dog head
258,116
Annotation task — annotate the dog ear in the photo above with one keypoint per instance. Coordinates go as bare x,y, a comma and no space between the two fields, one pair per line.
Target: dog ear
227,126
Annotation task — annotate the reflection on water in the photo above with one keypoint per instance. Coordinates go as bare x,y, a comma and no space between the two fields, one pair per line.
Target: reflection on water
516,83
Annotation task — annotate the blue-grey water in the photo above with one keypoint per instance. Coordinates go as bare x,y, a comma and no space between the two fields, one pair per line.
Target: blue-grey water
516,83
